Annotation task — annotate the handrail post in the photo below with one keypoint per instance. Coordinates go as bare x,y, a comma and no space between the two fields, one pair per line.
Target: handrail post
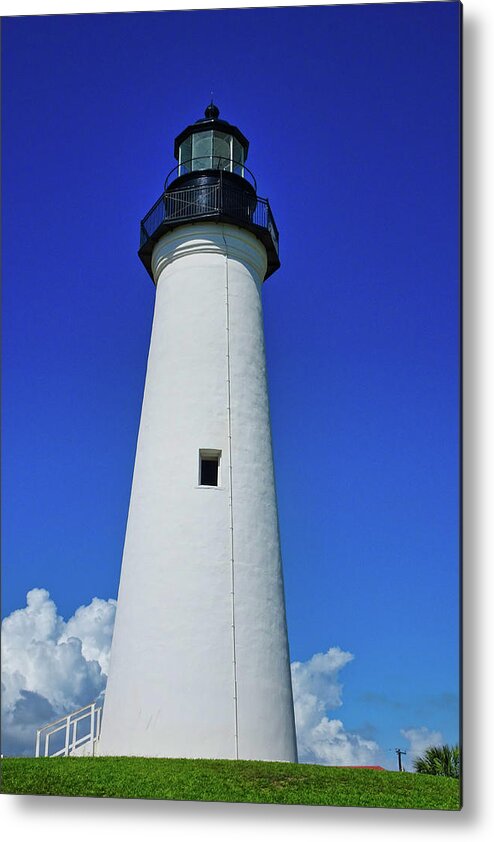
74,734
38,737
67,736
92,729
46,744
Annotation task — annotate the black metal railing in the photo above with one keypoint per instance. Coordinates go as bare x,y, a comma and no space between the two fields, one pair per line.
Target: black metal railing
210,200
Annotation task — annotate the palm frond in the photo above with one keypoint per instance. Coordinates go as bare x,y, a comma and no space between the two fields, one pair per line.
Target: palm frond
439,760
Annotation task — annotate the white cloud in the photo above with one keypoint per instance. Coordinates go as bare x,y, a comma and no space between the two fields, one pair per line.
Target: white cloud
93,626
316,689
49,666
419,739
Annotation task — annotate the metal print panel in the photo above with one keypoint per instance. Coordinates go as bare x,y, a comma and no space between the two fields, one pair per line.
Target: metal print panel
231,508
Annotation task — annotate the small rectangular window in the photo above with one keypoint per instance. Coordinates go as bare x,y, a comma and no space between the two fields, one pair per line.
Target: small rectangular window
209,467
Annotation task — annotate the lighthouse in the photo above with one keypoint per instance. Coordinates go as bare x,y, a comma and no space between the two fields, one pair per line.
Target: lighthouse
200,663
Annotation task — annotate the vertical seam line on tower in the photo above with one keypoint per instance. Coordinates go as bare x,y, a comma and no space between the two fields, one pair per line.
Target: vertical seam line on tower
230,496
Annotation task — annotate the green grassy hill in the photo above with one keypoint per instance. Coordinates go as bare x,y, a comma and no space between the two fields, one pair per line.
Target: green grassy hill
227,780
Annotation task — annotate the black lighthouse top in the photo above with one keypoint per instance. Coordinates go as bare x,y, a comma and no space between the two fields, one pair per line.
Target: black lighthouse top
210,181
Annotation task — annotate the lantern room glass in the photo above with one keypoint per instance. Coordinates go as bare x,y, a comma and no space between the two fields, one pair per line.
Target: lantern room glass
202,151
222,151
185,156
238,157
211,150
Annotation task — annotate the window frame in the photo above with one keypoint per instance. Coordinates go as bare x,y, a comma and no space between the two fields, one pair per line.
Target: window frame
207,454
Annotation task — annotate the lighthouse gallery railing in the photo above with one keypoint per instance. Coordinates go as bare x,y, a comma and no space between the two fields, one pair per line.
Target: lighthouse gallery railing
211,200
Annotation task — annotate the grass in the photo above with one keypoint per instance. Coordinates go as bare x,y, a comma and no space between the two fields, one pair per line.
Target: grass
227,780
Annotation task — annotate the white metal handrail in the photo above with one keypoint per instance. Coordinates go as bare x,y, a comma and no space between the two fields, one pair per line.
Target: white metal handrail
69,723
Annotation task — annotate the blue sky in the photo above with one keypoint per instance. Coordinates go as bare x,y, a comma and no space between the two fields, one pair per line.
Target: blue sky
353,117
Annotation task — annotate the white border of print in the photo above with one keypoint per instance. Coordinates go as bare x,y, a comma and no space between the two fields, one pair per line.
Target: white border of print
49,818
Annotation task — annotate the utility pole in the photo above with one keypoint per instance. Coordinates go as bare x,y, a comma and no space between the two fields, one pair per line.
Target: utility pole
399,752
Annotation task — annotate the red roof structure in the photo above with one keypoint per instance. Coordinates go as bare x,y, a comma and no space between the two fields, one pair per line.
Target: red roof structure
378,768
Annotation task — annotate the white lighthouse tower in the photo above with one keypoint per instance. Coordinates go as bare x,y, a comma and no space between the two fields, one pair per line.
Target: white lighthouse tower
200,664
